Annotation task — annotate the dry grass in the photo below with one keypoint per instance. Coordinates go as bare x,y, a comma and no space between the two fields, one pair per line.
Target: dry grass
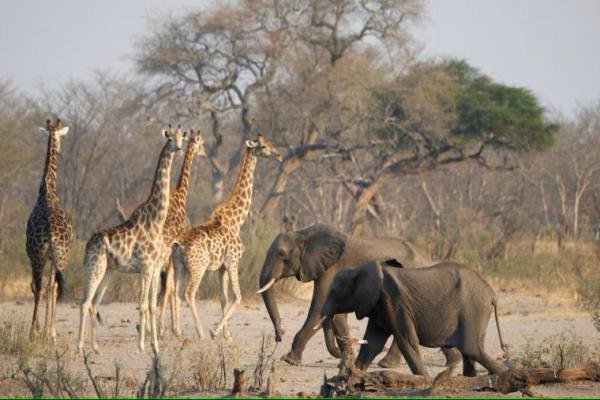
559,351
212,367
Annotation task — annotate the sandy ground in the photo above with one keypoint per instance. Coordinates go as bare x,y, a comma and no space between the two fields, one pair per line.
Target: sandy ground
523,317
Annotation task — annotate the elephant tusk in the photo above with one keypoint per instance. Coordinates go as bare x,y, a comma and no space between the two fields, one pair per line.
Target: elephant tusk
362,341
267,286
317,326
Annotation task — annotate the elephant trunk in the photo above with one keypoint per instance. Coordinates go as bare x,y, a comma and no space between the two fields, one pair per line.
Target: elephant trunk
330,342
269,299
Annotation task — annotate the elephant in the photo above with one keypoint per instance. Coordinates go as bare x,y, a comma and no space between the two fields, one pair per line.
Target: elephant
446,305
315,253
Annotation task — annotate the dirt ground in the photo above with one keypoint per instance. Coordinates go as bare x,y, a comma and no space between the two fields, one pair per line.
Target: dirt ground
523,317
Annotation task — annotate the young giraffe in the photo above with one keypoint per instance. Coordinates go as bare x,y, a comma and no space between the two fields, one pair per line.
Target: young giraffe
216,244
49,235
134,246
174,226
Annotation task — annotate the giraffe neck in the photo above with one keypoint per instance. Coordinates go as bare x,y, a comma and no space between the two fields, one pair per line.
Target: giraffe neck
234,210
184,178
48,185
158,202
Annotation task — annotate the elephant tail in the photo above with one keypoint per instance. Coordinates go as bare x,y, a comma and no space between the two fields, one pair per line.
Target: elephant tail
502,345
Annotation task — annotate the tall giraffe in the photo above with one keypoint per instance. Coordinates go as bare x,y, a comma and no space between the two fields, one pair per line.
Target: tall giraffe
49,235
133,246
216,244
174,225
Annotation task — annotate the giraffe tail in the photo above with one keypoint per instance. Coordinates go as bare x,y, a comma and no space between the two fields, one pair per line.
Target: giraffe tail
60,282
163,285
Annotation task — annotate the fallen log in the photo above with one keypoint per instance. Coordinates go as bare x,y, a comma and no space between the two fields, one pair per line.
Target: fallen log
513,380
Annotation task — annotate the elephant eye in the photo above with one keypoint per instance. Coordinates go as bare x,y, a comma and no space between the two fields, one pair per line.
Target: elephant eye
281,254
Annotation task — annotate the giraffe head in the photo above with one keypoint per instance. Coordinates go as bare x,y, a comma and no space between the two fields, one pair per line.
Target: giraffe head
56,131
196,143
175,137
262,147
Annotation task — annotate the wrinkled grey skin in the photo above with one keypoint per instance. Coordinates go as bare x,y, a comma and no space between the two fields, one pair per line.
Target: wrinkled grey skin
315,253
446,305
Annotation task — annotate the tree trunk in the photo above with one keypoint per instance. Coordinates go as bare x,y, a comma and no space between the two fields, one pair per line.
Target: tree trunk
359,214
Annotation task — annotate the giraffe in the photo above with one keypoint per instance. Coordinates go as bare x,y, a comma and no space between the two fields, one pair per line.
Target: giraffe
174,226
133,246
216,244
49,235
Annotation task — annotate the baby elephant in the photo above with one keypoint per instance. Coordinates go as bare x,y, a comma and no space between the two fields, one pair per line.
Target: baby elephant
446,305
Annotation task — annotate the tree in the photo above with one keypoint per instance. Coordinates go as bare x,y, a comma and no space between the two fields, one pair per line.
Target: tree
462,116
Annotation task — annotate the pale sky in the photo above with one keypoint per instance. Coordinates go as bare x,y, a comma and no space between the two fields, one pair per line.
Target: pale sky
549,46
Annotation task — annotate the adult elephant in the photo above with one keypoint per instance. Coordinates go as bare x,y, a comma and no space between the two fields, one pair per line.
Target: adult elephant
316,253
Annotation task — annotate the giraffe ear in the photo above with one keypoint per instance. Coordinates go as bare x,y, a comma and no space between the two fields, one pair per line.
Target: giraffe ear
63,131
166,133
251,144
43,130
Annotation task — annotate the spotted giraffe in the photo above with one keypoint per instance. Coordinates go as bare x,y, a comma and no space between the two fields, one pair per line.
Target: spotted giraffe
174,225
133,246
216,244
49,235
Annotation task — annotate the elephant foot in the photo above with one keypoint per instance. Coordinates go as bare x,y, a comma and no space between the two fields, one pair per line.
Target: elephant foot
291,359
389,362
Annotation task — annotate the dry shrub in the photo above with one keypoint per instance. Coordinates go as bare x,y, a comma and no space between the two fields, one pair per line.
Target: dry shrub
14,339
51,377
558,351
211,366
264,361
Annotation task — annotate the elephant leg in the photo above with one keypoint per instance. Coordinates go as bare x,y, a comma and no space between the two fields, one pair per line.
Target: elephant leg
452,354
473,348
412,356
376,338
307,331
341,331
469,367
393,358
493,366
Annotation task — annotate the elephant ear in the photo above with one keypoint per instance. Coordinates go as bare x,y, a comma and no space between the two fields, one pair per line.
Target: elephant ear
367,288
321,248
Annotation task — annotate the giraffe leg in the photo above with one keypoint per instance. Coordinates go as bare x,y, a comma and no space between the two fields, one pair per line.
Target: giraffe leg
232,271
153,298
49,301
166,297
95,268
53,309
171,284
180,279
224,296
146,281
36,288
94,309
190,298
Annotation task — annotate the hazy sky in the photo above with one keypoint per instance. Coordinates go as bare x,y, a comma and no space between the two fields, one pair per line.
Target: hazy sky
549,46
